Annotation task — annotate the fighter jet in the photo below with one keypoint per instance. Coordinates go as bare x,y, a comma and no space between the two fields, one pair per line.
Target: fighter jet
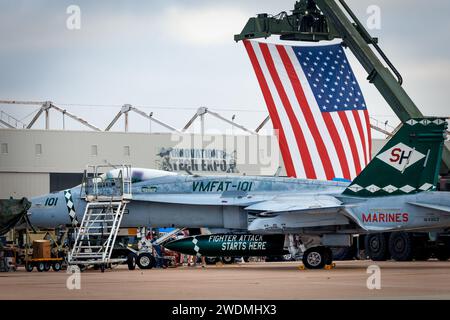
394,192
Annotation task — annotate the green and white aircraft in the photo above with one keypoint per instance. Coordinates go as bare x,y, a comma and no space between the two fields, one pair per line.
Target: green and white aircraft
393,193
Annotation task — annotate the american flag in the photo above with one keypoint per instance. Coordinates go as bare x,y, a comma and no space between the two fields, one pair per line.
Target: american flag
316,107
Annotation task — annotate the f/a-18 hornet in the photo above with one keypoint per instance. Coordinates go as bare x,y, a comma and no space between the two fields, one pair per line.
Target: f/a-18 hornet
394,192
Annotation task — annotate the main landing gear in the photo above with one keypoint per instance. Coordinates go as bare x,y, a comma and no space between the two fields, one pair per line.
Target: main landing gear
406,246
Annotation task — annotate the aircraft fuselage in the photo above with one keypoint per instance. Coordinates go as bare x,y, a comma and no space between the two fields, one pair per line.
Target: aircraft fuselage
220,202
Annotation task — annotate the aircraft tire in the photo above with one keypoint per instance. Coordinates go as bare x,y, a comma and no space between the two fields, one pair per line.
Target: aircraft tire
315,258
131,261
145,261
401,246
376,246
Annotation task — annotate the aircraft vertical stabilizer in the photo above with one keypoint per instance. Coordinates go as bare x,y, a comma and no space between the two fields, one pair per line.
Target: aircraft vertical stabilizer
407,164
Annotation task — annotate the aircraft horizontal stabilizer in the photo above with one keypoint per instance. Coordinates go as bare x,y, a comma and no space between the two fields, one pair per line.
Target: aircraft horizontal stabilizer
305,204
431,206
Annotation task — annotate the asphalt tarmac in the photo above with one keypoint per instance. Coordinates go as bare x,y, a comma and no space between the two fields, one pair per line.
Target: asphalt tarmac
254,280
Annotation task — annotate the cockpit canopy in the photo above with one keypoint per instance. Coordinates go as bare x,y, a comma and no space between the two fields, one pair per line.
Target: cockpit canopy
138,174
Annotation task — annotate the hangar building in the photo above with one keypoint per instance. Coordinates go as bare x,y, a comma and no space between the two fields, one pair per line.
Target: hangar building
34,162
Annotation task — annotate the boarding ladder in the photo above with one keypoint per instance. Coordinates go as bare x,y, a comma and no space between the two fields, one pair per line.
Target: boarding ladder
106,198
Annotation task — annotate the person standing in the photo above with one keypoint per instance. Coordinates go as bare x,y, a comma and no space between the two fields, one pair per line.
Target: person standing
158,255
184,259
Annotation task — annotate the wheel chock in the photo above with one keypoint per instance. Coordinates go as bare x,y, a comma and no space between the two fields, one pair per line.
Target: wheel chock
301,267
330,266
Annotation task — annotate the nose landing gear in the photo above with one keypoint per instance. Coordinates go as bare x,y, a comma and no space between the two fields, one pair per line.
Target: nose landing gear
317,258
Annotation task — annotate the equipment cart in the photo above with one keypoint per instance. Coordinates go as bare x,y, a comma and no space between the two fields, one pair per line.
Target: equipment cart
44,264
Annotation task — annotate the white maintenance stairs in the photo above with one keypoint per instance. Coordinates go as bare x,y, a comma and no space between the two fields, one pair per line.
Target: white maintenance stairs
106,200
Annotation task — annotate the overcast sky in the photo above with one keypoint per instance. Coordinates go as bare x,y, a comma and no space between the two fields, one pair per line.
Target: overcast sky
171,54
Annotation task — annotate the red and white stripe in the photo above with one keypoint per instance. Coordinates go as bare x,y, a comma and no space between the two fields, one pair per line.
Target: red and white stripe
314,144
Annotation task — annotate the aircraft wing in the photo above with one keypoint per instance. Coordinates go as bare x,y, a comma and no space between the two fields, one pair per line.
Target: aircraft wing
301,203
285,213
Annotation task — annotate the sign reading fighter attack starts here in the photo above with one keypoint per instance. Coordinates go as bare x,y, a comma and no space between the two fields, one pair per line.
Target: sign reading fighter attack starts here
231,245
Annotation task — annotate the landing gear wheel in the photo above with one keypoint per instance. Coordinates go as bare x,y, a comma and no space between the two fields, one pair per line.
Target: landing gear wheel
29,266
400,246
376,247
102,267
40,266
145,261
315,258
227,260
56,266
47,266
131,261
